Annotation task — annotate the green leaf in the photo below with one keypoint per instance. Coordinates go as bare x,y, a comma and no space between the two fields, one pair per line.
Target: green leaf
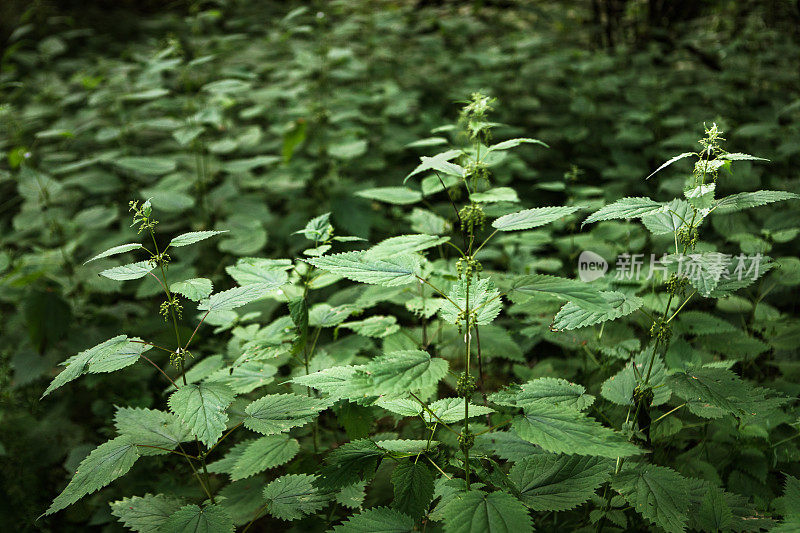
532,218
145,514
336,381
619,388
572,316
413,488
402,245
745,200
397,373
245,377
192,237
551,390
391,195
630,207
451,410
583,294
318,229
562,429
249,270
377,520
150,427
668,163
475,510
128,272
497,194
740,157
194,519
657,493
703,270
121,249
513,143
375,326
675,215
440,162
714,513
406,446
702,196
484,301
237,297
346,464
293,496
202,408
261,454
106,463
358,267
276,413
788,505
150,166
113,354
549,482
194,289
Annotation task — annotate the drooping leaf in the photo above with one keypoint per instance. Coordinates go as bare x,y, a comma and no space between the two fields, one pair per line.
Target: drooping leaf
106,463
745,200
403,245
121,249
561,429
237,297
551,390
347,464
619,387
293,496
145,514
392,195
376,326
195,519
513,143
658,493
151,166
550,482
440,162
497,194
583,294
356,266
450,410
192,237
150,427
397,373
532,218
413,487
668,163
201,407
276,413
249,270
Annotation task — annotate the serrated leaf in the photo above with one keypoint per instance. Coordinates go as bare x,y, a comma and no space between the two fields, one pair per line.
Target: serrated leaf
150,427
261,454
702,196
192,237
497,194
583,294
745,200
202,408
440,162
276,413
352,496
237,297
402,245
128,272
346,464
406,446
484,301
738,156
561,429
550,390
668,163
630,207
245,377
397,373
249,270
293,496
121,249
336,381
619,388
532,218
659,494
475,510
377,520
194,519
106,463
145,514
391,195
549,482
452,410
674,216
513,143
194,289
357,266
572,316
413,488
114,354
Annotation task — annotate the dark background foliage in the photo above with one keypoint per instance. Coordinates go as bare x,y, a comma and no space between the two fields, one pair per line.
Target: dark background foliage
320,101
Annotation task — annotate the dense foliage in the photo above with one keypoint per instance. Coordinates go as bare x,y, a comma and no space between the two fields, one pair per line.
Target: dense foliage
310,268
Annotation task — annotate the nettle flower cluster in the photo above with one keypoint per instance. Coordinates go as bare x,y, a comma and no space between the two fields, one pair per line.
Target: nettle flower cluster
407,403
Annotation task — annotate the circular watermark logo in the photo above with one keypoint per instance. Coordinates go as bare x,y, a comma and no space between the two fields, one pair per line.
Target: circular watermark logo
591,266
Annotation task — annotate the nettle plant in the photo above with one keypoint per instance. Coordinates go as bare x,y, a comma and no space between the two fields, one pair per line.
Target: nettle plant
384,406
